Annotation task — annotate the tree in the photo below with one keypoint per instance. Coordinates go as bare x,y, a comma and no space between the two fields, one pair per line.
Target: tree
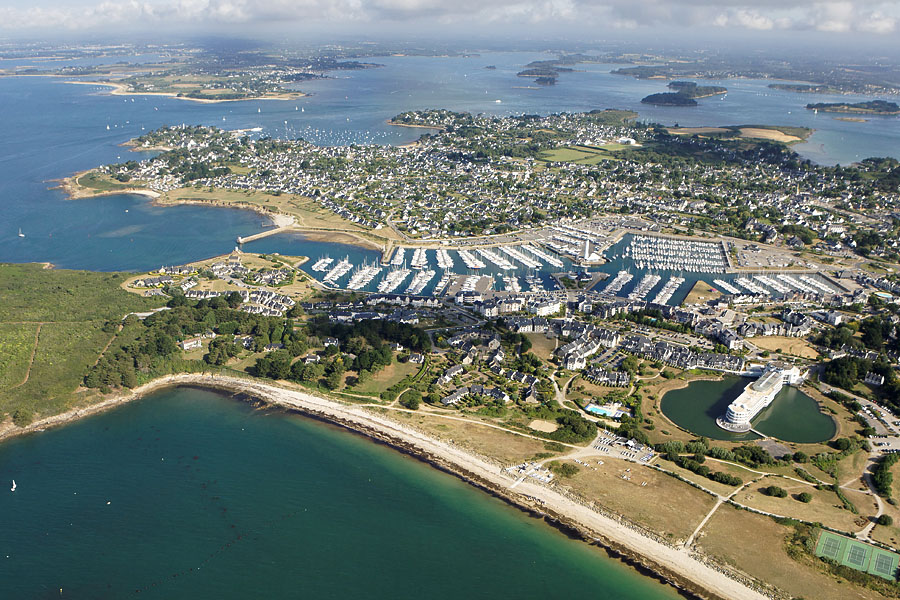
775,491
333,381
804,497
411,399
630,364
885,520
800,457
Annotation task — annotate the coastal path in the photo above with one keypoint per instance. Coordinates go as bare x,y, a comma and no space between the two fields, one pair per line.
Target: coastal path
37,336
719,501
864,533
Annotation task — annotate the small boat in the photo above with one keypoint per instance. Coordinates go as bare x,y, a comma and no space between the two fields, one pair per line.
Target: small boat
13,488
20,232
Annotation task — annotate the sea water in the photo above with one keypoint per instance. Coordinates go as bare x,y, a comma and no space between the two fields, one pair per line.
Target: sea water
51,130
191,494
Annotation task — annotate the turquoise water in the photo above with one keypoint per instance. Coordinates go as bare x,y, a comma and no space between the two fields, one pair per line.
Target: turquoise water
793,416
188,494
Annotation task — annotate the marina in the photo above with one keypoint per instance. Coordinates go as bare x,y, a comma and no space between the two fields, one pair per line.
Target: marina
647,283
676,254
419,281
397,259
470,261
393,280
419,259
520,256
620,281
322,264
339,270
544,256
496,259
444,260
670,287
363,276
511,284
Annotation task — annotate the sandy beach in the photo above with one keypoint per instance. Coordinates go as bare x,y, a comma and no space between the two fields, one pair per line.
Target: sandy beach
120,90
672,564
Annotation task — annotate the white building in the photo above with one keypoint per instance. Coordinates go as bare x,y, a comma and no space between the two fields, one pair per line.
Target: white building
757,396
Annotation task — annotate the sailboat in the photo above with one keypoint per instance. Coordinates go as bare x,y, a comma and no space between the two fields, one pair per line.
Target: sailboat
13,488
20,232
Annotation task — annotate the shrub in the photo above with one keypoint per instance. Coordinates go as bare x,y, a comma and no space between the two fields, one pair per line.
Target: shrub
774,490
22,417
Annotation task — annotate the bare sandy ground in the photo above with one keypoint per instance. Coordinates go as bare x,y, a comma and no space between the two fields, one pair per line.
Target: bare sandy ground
767,134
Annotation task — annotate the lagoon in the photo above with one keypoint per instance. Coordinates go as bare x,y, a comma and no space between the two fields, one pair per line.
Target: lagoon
792,417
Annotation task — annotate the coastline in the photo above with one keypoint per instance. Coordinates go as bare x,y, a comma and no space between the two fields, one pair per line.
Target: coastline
121,90
282,223
411,126
75,191
685,571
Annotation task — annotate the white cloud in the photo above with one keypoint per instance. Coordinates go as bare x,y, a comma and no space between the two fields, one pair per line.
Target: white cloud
871,17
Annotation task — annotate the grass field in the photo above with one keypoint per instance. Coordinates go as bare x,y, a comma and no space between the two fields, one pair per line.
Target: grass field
16,345
72,307
653,499
701,292
385,378
785,345
505,448
756,545
102,183
541,345
582,155
825,507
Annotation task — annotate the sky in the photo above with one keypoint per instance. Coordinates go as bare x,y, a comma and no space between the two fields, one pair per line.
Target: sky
863,19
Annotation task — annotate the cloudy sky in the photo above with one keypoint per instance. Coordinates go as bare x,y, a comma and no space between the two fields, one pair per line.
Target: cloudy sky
860,17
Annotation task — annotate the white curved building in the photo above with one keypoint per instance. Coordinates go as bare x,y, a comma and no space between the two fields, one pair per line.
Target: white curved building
757,396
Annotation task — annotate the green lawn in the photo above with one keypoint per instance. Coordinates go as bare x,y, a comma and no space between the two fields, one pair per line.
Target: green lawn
102,183
72,307
385,378
582,155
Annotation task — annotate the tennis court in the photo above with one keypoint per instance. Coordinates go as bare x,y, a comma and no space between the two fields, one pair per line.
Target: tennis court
857,555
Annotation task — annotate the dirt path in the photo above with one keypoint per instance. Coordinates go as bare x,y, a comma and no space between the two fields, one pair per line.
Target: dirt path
37,335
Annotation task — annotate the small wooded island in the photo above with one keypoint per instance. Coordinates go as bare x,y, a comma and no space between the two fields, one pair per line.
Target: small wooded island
873,107
684,94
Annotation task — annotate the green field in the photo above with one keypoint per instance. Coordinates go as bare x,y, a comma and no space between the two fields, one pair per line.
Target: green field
71,308
385,378
16,345
102,183
582,155
857,555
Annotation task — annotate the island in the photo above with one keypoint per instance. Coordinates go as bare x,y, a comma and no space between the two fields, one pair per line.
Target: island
873,107
685,94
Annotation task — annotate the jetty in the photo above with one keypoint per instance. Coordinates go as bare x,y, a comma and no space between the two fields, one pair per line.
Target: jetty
281,224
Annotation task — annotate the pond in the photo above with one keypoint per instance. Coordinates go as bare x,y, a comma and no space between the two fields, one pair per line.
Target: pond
792,417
